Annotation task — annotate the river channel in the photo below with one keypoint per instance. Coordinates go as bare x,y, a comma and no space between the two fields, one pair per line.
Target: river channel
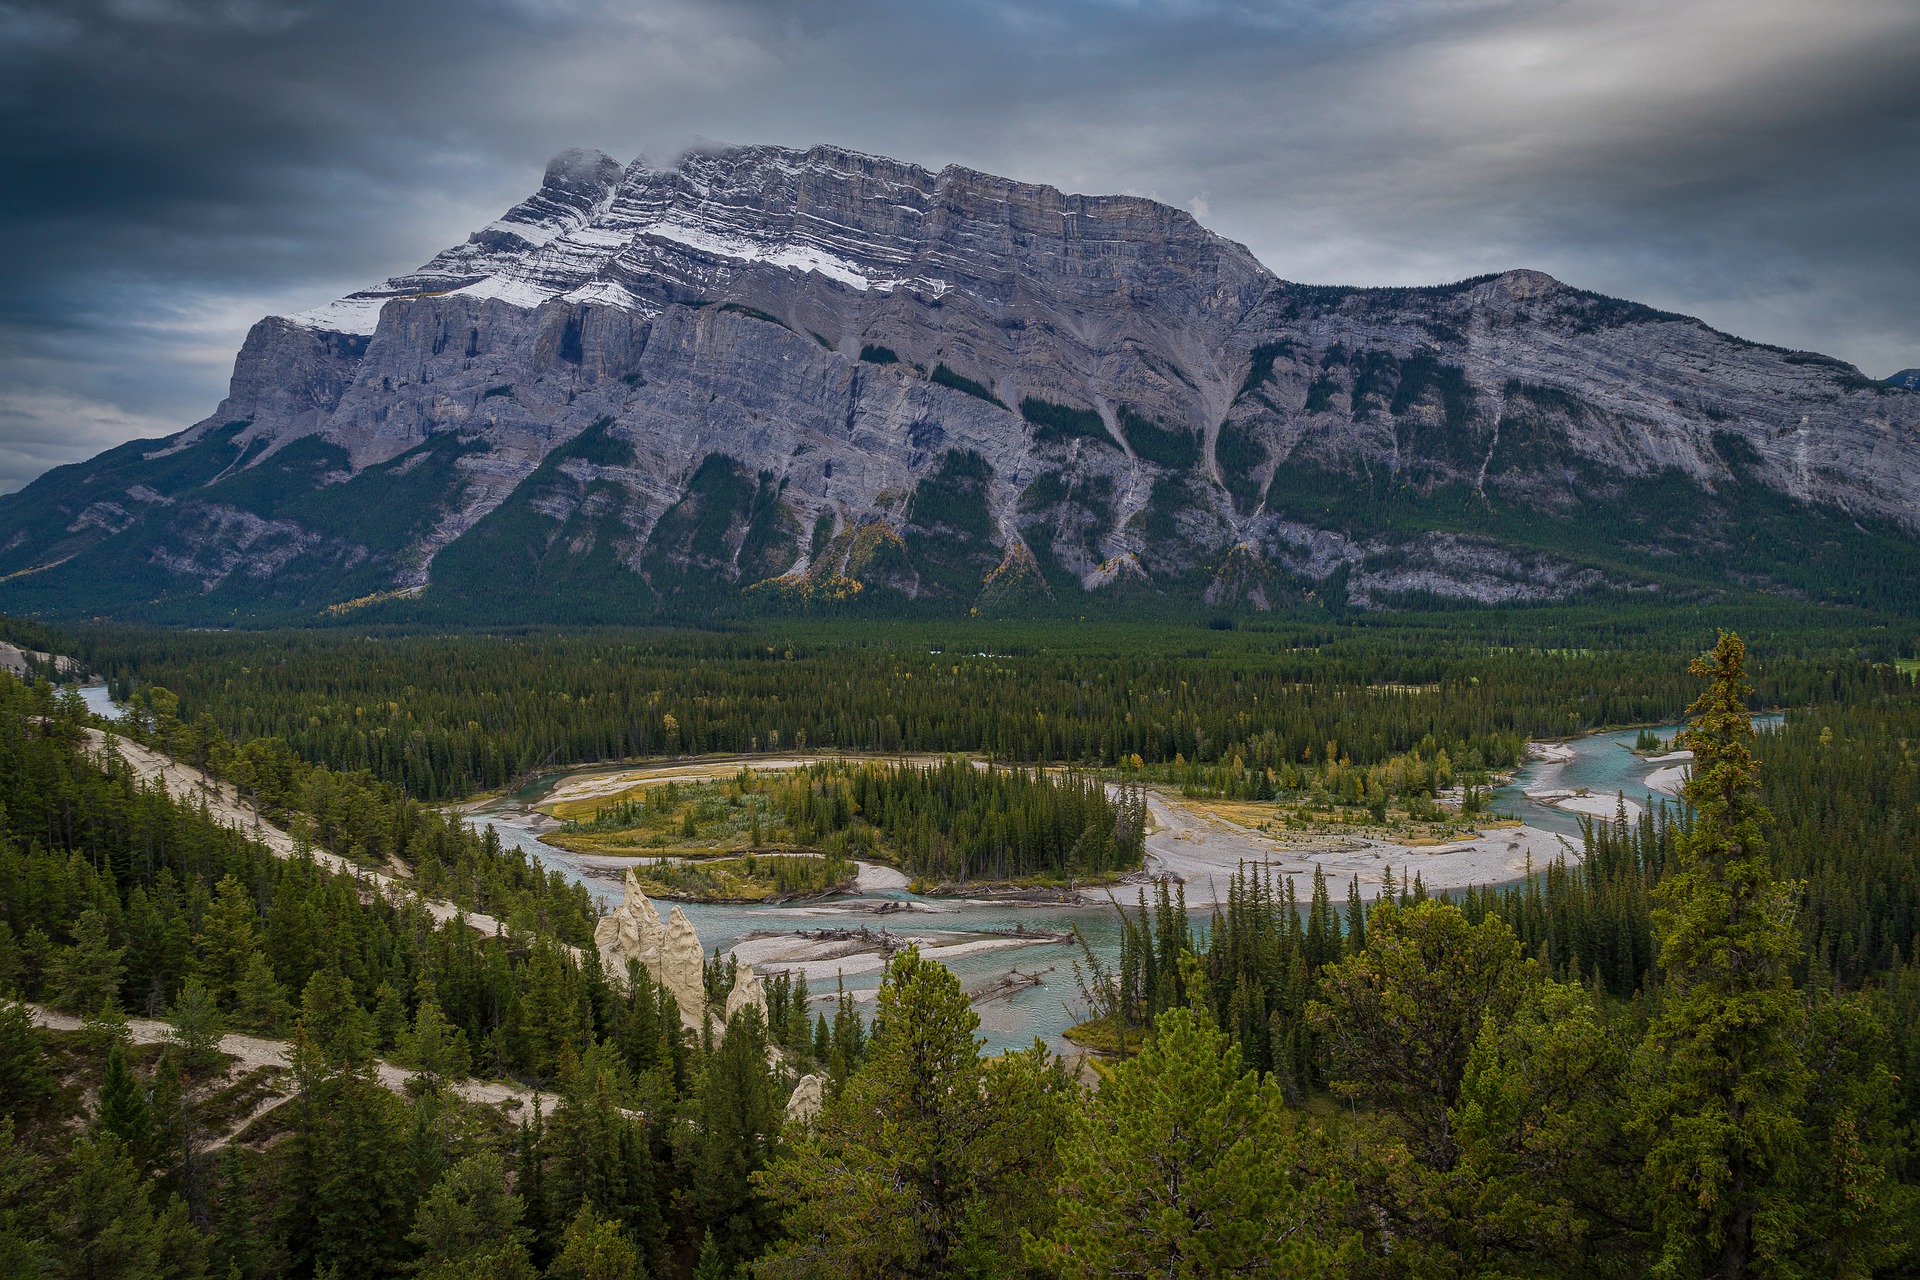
1600,764
1203,854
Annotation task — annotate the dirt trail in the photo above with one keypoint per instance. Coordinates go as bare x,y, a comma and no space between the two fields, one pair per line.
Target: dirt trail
254,1052
230,809
13,658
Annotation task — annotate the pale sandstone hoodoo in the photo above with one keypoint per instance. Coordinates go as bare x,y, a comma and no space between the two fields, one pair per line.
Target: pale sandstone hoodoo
809,1095
747,993
672,955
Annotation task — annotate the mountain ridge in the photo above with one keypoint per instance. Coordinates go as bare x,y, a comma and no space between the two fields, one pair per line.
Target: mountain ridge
825,374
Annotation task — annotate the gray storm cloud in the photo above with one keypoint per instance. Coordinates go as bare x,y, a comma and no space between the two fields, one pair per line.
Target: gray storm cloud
172,169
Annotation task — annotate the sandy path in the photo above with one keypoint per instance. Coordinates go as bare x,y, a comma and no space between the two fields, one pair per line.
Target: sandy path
230,809
253,1052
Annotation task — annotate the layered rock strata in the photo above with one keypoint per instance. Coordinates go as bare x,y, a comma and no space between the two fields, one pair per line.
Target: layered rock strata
810,373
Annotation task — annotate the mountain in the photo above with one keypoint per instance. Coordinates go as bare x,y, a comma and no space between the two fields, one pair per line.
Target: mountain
766,379
1908,378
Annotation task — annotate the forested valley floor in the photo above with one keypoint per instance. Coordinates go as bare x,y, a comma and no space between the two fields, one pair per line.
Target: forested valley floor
1695,1052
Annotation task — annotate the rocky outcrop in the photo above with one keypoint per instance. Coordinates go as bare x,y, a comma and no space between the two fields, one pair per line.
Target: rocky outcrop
670,952
632,930
680,965
747,993
823,373
807,1099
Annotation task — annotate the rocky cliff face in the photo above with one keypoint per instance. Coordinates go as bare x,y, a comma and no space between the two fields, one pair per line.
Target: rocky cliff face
799,378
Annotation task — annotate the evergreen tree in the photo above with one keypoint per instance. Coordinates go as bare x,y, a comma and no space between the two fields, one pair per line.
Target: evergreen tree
1724,1078
435,1048
529,1181
639,1033
1400,1018
712,1263
259,1001
12,963
1356,939
86,976
239,1246
389,1019
925,1156
470,1224
22,1209
121,1109
431,1133
593,1248
26,1078
333,1021
167,1103
601,1157
796,1037
347,1189
847,1042
1180,1167
196,1029
737,1115
105,1227
226,941
1548,1180
1862,1216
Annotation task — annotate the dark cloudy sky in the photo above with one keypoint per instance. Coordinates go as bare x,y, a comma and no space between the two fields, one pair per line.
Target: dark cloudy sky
170,170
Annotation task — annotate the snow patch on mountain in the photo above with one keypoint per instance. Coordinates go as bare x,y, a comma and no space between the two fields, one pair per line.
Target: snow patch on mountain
355,313
591,218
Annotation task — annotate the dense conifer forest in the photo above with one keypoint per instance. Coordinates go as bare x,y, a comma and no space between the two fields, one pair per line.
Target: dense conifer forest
1696,1052
444,716
949,822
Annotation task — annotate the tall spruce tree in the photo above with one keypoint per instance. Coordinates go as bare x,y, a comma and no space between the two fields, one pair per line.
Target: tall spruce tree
737,1116
1400,1018
27,1084
1723,1076
347,1187
927,1164
121,1108
469,1224
196,1029
1179,1167
86,976
226,940
238,1253
259,1001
